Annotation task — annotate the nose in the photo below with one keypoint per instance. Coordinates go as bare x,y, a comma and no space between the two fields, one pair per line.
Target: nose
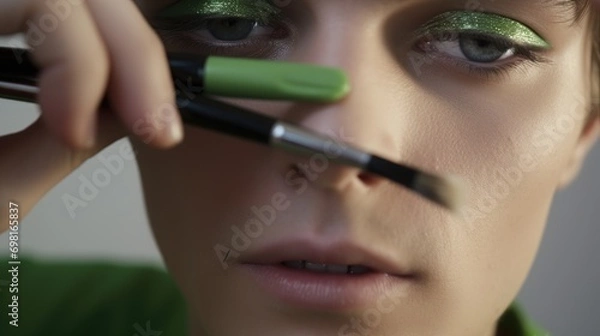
326,168
370,117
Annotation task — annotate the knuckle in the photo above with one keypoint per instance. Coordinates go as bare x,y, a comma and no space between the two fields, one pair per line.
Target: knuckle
149,44
98,64
95,64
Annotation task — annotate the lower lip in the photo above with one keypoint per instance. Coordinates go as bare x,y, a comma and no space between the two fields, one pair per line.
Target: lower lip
328,291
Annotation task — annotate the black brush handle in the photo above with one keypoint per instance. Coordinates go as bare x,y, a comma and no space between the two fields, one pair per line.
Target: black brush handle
400,174
225,118
16,66
187,70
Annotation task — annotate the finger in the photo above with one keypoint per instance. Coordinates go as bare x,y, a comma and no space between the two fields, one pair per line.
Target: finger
140,89
34,160
67,47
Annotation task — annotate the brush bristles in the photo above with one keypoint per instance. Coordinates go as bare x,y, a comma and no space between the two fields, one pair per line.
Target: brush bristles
446,190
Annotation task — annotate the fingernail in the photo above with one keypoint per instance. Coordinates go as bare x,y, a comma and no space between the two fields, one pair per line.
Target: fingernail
170,123
175,132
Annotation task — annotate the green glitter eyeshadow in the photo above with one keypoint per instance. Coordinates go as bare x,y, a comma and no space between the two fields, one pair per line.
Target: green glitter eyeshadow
484,23
259,10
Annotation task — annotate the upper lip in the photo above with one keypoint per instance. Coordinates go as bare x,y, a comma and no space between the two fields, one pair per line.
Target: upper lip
338,253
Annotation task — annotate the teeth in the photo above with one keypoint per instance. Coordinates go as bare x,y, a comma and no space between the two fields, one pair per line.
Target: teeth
354,269
326,268
337,269
297,264
316,267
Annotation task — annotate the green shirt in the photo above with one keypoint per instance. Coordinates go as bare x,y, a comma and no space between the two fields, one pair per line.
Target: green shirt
83,298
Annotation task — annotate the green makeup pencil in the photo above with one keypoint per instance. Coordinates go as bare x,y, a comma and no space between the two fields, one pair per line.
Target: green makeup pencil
219,76
265,80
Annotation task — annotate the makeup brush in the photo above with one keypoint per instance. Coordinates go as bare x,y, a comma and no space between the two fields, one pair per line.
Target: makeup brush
219,76
18,82
444,190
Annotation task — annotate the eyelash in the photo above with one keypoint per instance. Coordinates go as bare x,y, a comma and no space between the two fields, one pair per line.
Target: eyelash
174,29
523,57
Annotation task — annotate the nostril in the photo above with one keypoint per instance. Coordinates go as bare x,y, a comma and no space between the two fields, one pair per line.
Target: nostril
368,178
295,168
298,171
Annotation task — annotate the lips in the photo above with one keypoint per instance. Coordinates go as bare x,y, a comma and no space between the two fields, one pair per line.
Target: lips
326,268
337,276
312,255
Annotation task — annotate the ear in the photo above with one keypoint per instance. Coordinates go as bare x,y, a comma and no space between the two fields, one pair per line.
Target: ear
586,141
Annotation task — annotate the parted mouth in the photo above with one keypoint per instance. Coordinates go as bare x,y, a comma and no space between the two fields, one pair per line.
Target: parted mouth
327,268
339,257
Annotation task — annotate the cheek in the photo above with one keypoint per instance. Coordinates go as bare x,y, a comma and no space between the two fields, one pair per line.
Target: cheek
514,152
511,145
196,192
190,192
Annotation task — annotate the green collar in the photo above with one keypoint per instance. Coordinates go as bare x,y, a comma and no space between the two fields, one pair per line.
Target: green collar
515,322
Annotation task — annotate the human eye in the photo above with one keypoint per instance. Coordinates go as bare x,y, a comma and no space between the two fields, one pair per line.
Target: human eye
249,28
481,43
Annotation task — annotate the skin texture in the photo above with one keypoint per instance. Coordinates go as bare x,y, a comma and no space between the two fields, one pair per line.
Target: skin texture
420,111
515,137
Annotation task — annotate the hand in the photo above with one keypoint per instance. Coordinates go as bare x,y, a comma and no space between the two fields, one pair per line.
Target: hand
85,50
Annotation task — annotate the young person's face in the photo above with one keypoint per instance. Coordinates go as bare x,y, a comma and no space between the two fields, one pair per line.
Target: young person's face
511,122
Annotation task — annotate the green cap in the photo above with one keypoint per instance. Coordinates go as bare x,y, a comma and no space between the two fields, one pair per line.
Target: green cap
274,80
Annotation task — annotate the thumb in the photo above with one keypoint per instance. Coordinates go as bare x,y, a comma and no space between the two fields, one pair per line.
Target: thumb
34,160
